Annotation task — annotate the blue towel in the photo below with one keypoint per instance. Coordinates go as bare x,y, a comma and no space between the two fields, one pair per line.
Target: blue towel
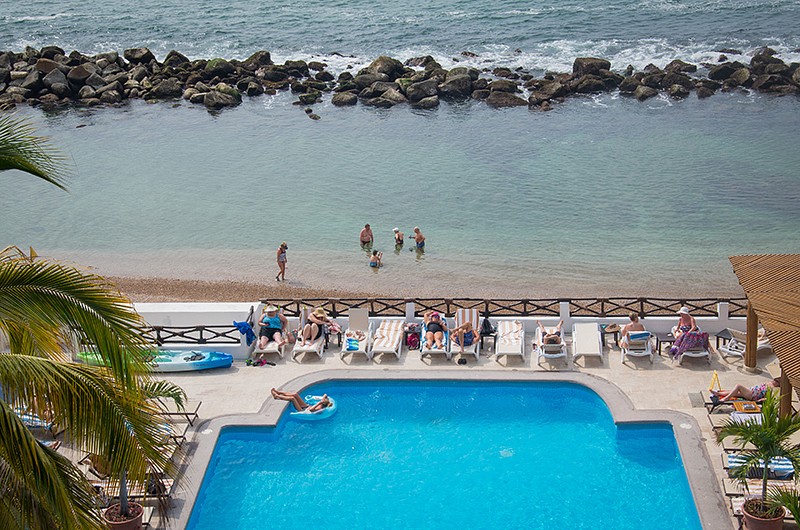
246,330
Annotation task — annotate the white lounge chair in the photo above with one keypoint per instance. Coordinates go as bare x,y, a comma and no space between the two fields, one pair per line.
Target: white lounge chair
358,333
314,347
738,344
549,351
272,346
586,340
510,339
388,338
695,352
445,349
639,345
462,316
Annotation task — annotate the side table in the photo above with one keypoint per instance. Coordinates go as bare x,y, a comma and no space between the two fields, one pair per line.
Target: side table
614,332
662,339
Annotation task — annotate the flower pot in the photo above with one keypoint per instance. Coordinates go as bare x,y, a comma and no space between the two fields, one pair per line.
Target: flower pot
116,522
751,522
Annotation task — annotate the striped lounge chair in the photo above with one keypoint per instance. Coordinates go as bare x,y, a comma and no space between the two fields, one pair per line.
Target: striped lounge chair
639,345
510,339
463,316
388,338
779,468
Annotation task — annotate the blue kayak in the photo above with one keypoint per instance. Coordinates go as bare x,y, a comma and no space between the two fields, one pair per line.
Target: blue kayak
176,360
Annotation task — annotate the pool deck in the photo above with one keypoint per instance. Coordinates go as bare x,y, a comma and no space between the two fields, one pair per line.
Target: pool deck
635,391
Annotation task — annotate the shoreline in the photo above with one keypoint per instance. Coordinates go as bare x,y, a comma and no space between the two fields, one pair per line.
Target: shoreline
154,289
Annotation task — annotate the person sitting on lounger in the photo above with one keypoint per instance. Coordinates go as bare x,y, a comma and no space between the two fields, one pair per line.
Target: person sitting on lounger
754,393
633,325
315,326
685,324
435,329
299,403
375,259
464,335
272,325
551,337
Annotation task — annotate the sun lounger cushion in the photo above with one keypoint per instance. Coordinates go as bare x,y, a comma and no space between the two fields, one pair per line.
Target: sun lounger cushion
639,335
387,336
509,337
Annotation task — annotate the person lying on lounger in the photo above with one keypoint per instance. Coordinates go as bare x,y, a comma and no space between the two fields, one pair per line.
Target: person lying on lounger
299,403
633,325
435,329
464,335
754,393
551,337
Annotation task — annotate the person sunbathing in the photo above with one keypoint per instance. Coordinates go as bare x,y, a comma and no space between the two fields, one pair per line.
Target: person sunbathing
551,337
315,326
464,335
299,403
435,329
633,325
753,393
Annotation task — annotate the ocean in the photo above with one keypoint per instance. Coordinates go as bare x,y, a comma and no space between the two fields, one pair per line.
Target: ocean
603,196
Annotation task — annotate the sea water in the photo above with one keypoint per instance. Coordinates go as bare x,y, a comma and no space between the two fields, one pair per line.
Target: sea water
449,455
603,195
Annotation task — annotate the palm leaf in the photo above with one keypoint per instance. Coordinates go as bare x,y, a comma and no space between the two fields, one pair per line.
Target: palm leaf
21,150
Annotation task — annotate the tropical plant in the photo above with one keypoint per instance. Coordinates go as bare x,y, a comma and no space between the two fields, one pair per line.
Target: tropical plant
772,438
45,308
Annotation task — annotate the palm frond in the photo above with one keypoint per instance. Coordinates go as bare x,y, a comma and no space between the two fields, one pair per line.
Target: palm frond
20,149
165,390
44,302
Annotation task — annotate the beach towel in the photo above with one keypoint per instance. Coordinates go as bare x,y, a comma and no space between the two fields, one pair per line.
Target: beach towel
246,330
692,340
779,467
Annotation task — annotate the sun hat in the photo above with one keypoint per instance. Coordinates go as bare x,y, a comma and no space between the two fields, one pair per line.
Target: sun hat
319,312
683,310
395,229
270,308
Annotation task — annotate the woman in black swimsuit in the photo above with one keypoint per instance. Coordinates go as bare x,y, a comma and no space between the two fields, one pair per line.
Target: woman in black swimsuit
435,328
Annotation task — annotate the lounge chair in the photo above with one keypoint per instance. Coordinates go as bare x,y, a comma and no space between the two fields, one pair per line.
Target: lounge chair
779,468
738,344
463,316
639,345
358,335
698,348
188,412
586,340
388,338
272,346
510,339
315,347
445,349
32,421
549,351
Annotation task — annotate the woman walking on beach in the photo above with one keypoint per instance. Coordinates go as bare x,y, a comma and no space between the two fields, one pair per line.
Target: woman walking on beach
282,262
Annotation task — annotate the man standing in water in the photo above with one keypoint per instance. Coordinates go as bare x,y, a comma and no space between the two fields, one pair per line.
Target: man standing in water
366,236
419,239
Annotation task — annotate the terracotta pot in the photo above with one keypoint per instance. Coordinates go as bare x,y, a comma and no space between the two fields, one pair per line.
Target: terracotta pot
135,523
751,522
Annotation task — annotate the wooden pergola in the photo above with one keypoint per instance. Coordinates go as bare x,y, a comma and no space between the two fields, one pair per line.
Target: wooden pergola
771,283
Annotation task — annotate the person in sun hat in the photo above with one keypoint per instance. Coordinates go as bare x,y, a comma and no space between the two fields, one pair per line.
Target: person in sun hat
281,258
686,323
315,326
399,238
272,325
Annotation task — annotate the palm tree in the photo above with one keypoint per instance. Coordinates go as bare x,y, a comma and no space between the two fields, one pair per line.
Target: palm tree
45,306
772,438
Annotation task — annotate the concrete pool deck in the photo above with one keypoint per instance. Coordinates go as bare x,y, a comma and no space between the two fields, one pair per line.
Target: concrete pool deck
635,391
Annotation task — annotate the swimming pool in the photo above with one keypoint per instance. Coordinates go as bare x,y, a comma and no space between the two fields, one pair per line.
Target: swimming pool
410,454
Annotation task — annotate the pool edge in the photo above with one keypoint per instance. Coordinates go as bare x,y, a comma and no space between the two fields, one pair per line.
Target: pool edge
708,498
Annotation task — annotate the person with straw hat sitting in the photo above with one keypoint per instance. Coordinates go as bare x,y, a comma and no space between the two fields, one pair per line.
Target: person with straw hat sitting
272,325
315,326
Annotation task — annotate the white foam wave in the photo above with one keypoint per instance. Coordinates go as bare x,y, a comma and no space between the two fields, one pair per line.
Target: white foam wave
37,18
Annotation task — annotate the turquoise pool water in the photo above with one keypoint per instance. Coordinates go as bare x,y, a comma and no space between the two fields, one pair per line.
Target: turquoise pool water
447,455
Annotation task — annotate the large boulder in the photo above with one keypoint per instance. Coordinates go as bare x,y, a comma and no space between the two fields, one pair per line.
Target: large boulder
456,87
168,88
46,66
175,58
95,81
342,99
219,68
275,75
300,67
60,89
499,99
78,75
423,89
589,65
678,91
503,85
324,75
589,84
740,77
426,103
644,92
51,52
766,82
394,95
258,59
386,65
217,100
721,72
676,78
473,73
110,97
421,61
362,81
55,76
704,92
680,67
138,55
33,81
629,84
254,89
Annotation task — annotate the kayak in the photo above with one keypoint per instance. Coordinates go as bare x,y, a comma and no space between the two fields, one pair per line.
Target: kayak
175,360
327,412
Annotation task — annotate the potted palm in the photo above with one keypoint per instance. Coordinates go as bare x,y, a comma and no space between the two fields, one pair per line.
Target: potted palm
769,439
125,515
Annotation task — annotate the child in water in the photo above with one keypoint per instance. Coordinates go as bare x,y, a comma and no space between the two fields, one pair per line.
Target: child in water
375,259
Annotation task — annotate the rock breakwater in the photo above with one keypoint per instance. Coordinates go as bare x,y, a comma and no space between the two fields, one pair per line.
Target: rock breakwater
52,78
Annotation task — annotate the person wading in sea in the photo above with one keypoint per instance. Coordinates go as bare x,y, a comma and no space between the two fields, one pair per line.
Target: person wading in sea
366,236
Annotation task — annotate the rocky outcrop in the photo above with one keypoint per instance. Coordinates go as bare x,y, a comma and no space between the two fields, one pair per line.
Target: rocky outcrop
52,78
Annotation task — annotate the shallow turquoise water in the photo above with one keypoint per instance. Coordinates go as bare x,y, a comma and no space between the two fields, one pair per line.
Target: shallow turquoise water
444,455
